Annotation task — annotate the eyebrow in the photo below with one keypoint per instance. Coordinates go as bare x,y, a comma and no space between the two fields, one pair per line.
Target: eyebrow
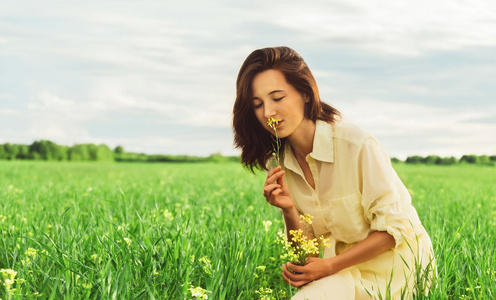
273,92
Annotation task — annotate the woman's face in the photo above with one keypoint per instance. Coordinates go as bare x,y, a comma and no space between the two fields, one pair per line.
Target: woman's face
274,97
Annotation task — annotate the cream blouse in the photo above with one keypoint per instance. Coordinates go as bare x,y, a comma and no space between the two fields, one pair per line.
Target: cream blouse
356,189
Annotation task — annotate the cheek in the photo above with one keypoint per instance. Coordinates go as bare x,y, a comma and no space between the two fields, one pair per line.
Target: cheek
262,120
259,115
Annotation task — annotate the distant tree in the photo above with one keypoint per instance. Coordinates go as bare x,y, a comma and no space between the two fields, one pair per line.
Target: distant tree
492,158
216,157
79,152
484,159
64,150
470,159
130,156
448,160
90,152
119,150
58,152
46,150
235,158
10,151
93,152
34,150
414,159
3,155
104,153
395,160
23,151
432,160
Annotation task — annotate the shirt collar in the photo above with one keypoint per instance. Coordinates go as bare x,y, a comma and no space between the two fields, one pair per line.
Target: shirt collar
323,146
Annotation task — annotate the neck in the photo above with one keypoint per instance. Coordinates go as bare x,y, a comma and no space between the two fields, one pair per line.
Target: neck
301,140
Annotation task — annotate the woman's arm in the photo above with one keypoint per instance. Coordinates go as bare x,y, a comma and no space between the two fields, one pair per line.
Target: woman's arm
278,195
293,222
375,244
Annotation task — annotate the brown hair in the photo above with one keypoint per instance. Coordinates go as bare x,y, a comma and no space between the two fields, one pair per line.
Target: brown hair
249,135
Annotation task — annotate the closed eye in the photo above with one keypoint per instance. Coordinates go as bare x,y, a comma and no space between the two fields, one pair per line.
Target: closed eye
278,99
257,105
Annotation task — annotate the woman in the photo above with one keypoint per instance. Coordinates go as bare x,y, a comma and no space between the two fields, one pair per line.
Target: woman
338,174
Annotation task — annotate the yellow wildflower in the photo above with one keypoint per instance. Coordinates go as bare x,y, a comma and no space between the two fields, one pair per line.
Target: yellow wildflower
31,252
8,276
207,265
261,268
128,241
301,248
198,293
168,215
306,219
273,124
265,293
87,286
267,224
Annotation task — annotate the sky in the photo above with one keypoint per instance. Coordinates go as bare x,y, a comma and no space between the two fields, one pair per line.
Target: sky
158,77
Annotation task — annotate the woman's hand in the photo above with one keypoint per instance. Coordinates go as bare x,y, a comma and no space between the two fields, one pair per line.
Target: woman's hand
315,268
276,192
375,244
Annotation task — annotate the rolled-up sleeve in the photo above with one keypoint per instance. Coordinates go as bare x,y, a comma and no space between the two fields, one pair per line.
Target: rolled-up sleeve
385,199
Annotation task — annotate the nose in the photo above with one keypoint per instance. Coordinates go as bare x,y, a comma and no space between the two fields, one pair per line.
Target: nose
269,110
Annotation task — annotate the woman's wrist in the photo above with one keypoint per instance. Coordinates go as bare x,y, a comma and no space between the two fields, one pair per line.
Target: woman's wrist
289,211
331,266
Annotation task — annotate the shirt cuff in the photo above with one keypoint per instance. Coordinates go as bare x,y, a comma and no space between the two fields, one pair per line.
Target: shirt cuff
397,225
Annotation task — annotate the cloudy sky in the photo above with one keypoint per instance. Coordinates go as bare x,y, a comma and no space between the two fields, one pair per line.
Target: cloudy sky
158,76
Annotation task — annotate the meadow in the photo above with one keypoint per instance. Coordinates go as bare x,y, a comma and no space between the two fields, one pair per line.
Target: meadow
196,230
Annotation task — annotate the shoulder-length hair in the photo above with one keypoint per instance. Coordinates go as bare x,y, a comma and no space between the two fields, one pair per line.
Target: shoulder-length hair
249,135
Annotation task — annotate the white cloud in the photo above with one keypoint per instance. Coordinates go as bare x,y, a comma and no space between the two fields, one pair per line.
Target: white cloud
6,96
13,112
48,105
394,27
61,132
410,129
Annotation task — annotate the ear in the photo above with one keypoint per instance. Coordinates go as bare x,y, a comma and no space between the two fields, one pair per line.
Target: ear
307,98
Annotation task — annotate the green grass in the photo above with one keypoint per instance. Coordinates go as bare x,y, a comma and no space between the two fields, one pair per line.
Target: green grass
157,231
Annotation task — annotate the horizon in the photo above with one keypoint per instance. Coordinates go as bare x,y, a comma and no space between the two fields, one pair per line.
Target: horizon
489,155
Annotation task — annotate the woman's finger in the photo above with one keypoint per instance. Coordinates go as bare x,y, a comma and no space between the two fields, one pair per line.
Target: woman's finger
268,189
276,169
293,275
295,268
276,192
295,283
275,177
281,179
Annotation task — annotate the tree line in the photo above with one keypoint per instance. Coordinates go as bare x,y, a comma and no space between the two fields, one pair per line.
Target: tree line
438,160
50,151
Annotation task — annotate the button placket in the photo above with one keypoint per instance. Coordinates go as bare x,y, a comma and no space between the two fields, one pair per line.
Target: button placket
315,192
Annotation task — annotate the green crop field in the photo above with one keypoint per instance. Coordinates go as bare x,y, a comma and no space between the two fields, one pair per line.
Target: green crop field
191,231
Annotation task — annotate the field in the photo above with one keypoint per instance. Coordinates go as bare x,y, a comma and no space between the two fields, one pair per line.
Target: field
180,231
